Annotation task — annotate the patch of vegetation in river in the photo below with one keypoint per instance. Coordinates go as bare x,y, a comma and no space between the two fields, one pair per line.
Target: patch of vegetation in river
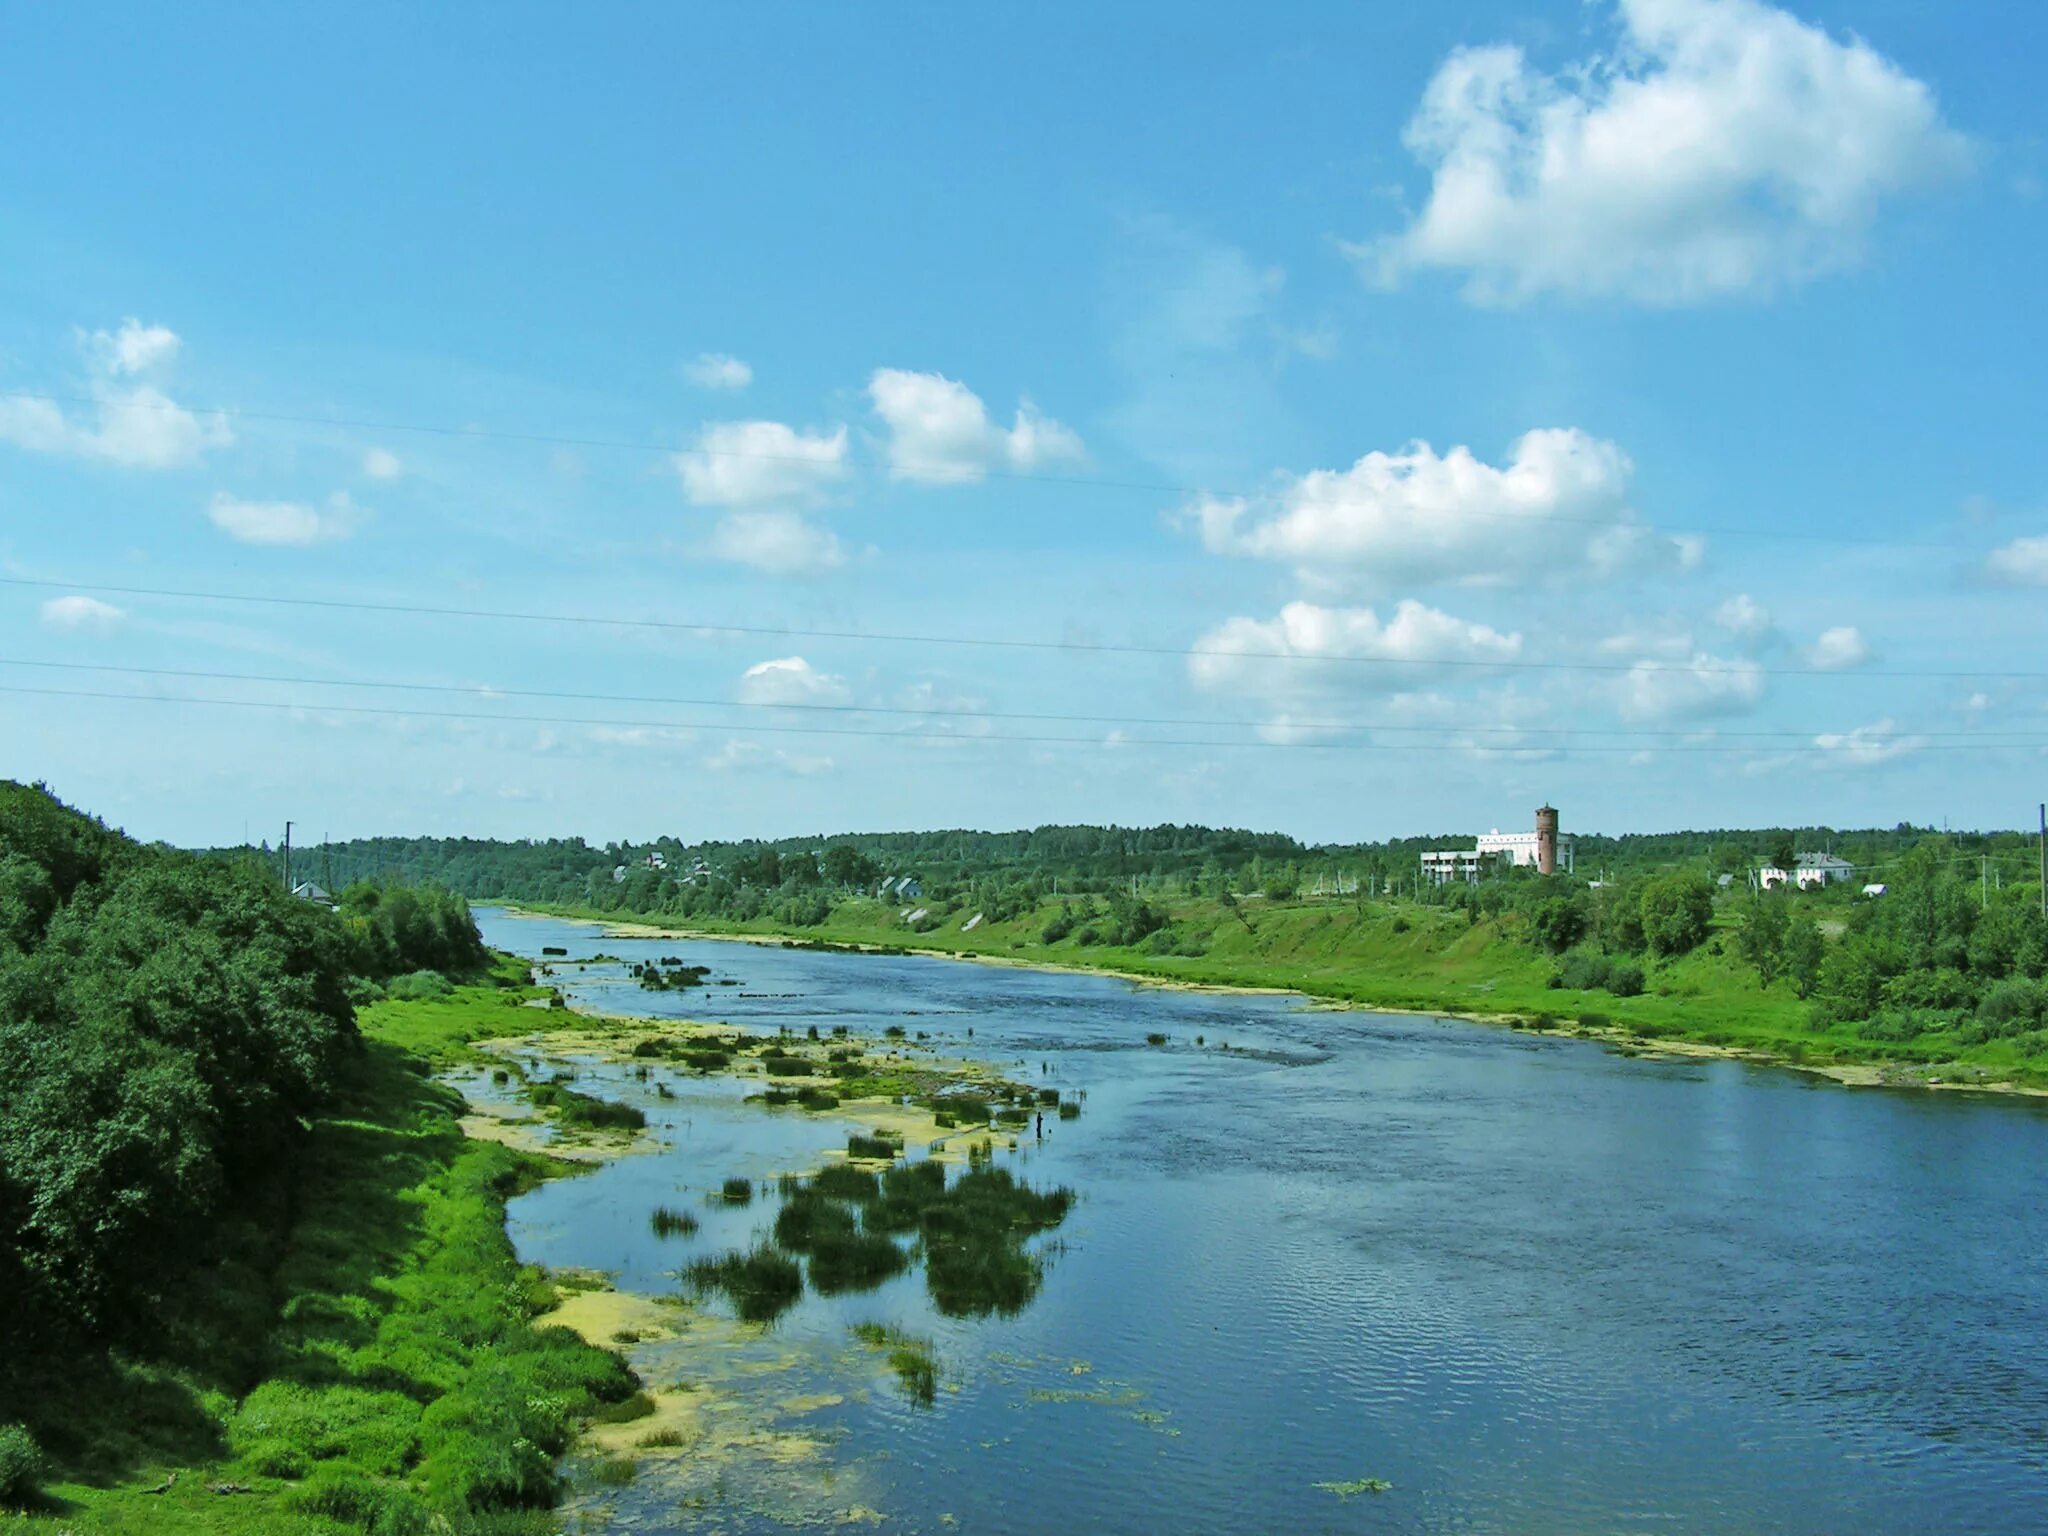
854,1228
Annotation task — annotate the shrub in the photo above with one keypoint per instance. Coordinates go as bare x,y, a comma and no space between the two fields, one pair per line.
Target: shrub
21,1465
419,987
1583,970
1676,909
2013,1006
1625,979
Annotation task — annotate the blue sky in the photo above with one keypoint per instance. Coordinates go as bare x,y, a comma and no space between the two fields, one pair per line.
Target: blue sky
1412,417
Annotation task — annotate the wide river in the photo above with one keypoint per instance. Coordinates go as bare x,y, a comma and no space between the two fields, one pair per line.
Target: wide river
1534,1285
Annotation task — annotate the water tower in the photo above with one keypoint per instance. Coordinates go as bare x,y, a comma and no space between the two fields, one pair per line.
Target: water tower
1546,839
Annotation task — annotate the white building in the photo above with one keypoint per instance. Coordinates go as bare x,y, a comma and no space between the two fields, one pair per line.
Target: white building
1441,866
1519,848
1809,871
1822,869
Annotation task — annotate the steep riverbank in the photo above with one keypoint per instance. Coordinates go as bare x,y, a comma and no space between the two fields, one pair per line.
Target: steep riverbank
396,1370
1418,960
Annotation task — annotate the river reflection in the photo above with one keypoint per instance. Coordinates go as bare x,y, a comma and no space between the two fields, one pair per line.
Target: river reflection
1533,1286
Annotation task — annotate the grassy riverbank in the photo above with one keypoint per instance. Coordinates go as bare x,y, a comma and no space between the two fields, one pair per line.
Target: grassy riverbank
1412,957
376,1369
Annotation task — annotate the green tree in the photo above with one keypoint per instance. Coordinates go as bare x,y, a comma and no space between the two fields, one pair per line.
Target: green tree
1762,940
1676,910
1805,950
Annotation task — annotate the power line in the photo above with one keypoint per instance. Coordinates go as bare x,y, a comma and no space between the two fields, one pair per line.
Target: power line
321,707
484,691
1028,477
706,627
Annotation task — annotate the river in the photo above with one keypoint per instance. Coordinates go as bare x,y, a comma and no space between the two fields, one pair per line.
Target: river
1533,1285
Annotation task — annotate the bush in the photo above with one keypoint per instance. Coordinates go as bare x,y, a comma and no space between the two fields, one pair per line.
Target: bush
419,987
1676,909
21,1465
1625,979
1583,970
2014,1006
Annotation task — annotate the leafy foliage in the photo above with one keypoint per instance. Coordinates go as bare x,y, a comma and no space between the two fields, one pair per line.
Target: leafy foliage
166,1023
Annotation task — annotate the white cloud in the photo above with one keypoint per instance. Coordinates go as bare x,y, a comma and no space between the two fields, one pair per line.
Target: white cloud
791,680
1701,687
1720,147
940,434
134,348
784,543
1743,616
2023,562
760,464
1838,649
750,755
132,424
1283,662
381,464
290,523
717,370
1557,510
1868,745
81,613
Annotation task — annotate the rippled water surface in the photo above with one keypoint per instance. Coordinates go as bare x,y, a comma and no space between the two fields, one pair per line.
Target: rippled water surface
1535,1286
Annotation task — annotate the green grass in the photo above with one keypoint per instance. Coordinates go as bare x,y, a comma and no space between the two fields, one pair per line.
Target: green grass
382,1373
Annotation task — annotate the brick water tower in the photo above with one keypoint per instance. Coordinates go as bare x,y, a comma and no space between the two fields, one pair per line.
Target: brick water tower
1546,839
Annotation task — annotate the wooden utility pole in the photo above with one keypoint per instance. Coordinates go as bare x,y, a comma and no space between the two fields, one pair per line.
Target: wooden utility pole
2044,860
287,856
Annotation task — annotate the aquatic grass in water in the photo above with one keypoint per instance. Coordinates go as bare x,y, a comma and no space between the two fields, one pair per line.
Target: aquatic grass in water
842,1182
912,1359
761,1285
737,1191
580,1109
876,1147
1070,1110
1356,1487
664,1222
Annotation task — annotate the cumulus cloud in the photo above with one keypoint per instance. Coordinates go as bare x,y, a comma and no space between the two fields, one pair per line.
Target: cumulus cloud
1285,662
1744,617
1869,745
285,523
1557,509
782,543
940,432
762,464
717,370
382,464
1718,148
1697,688
1838,649
134,348
128,422
2023,562
78,613
791,680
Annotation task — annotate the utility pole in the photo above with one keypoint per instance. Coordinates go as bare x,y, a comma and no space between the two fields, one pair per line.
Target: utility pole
2044,860
287,856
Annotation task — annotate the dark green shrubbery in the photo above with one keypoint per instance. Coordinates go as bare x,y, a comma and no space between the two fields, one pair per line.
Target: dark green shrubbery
21,1466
